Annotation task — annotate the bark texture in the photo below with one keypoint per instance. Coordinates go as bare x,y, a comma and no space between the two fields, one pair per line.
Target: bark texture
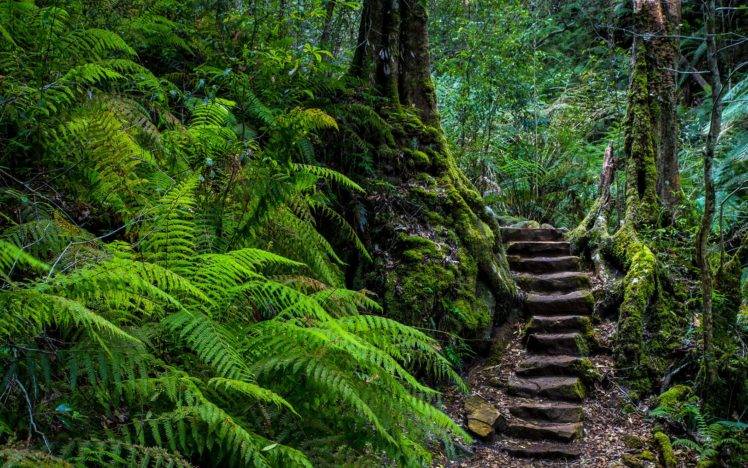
656,24
437,258
393,54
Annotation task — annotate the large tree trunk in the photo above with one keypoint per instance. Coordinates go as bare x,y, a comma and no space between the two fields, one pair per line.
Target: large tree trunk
437,260
655,56
393,54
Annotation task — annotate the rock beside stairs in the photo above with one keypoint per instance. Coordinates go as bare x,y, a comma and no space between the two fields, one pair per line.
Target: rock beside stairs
482,416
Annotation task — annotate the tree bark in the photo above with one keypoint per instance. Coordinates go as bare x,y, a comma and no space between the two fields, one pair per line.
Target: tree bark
324,40
610,164
393,54
702,238
656,42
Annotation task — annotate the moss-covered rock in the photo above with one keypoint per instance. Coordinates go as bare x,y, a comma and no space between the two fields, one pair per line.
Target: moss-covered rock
667,456
674,396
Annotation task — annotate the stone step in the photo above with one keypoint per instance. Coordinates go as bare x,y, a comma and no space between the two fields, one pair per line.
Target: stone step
554,282
560,388
529,234
543,265
573,303
540,365
557,344
551,450
555,412
559,324
536,248
565,432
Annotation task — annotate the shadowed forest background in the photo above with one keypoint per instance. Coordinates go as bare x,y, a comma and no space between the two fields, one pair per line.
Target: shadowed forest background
268,232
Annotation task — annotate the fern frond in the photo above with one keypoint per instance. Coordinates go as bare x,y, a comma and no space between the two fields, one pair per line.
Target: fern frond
11,255
252,391
211,342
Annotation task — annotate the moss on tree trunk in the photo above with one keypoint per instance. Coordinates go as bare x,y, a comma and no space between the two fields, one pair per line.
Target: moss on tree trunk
437,259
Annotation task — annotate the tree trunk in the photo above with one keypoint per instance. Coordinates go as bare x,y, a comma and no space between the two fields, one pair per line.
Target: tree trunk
324,40
655,55
702,238
393,54
610,164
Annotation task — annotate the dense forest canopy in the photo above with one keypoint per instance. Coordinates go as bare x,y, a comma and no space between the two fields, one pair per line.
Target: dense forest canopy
290,233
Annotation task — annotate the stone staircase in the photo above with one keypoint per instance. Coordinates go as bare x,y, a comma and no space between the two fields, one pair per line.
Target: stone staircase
545,416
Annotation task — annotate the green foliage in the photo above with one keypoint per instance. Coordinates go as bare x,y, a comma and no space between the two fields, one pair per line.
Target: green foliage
528,116
722,441
171,292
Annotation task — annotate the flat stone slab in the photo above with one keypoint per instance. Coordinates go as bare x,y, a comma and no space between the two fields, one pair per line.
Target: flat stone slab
558,344
565,281
558,388
559,324
572,303
509,234
555,412
565,432
542,265
481,416
542,365
549,450
544,248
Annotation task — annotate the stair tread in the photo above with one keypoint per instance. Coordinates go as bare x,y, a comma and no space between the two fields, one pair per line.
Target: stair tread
539,259
538,247
556,297
557,387
544,264
509,234
557,343
556,275
541,450
578,302
534,359
554,412
557,336
539,430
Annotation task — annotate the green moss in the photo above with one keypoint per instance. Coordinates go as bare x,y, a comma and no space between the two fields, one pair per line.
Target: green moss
574,392
667,456
648,456
631,460
587,371
674,396
416,159
633,442
432,279
640,286
639,145
582,345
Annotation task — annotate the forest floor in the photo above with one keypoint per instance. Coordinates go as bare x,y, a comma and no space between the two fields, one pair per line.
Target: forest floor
611,420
